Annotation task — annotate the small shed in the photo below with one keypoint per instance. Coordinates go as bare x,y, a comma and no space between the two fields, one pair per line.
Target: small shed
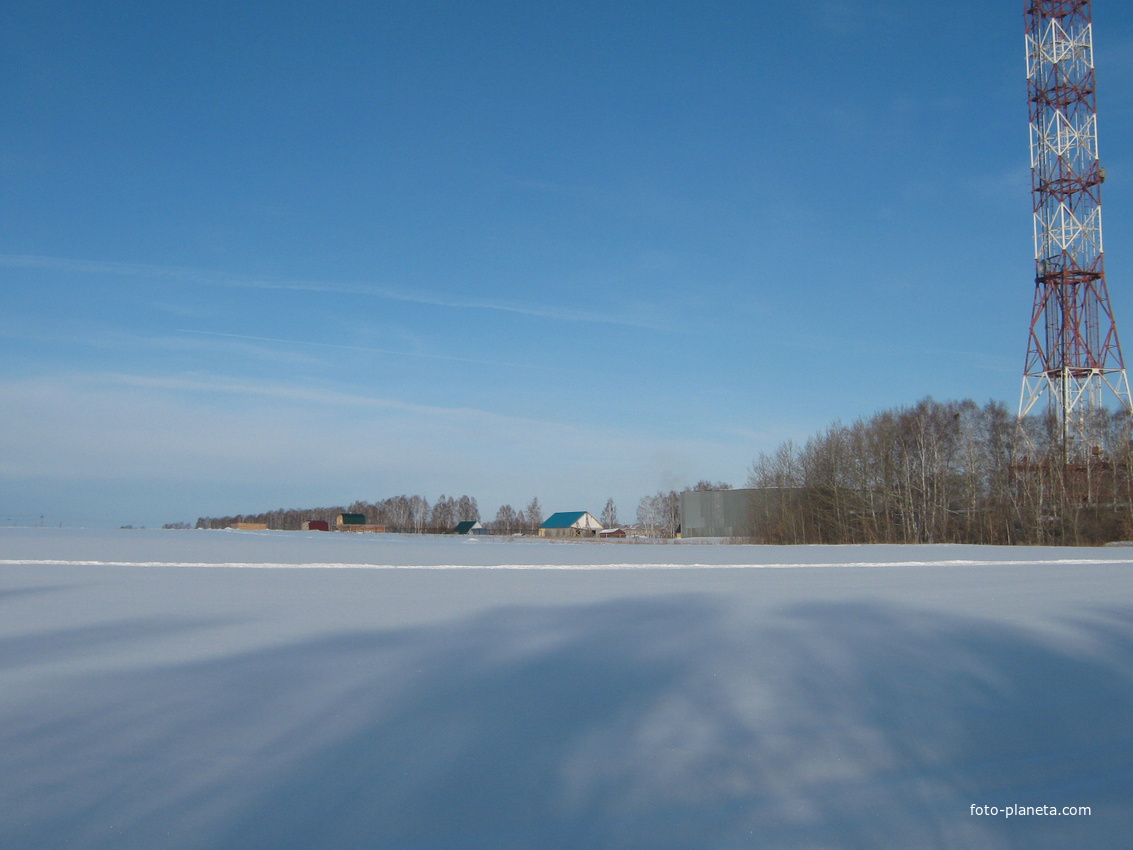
356,522
469,526
570,524
612,532
316,525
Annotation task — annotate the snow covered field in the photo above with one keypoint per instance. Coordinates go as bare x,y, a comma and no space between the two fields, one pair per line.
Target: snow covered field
206,689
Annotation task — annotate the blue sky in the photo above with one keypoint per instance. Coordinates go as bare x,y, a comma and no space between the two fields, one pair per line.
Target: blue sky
266,255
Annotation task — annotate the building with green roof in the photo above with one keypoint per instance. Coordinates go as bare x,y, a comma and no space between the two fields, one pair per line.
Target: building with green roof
570,524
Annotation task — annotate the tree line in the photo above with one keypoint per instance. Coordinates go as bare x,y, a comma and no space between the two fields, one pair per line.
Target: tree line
401,514
948,472
411,514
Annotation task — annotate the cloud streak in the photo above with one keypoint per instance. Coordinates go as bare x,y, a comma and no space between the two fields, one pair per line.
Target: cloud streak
218,384
359,348
231,281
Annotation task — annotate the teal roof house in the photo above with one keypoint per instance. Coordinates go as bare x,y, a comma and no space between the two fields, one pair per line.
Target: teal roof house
570,524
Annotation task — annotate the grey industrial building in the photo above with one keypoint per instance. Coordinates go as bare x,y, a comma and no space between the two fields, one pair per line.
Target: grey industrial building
731,514
716,513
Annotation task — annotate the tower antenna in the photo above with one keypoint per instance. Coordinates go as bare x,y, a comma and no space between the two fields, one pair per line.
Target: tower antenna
1073,356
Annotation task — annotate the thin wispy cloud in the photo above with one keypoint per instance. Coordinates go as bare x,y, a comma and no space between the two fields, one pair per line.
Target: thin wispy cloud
294,393
231,281
116,340
189,386
359,348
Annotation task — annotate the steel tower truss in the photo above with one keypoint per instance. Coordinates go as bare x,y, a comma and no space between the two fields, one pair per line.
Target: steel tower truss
1073,356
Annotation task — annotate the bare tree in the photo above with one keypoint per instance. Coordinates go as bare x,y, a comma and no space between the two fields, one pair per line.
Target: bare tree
466,509
419,513
534,515
648,513
609,518
443,516
660,514
944,472
505,521
669,506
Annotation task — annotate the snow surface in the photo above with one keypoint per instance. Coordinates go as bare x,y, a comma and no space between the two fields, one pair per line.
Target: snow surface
209,689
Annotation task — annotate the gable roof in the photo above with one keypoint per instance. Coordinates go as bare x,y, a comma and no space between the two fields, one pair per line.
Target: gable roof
563,519
466,526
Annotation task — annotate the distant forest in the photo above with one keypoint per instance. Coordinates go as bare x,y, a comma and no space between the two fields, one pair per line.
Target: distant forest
949,472
408,514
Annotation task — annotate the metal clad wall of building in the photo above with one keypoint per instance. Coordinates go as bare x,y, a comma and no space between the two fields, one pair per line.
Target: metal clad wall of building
717,513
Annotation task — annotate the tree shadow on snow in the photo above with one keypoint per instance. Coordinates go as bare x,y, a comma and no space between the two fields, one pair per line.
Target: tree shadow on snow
640,724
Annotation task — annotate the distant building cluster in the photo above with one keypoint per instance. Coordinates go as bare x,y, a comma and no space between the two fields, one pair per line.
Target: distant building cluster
658,517
563,524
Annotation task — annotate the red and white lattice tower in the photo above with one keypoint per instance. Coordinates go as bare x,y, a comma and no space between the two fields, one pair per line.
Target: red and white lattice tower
1073,357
